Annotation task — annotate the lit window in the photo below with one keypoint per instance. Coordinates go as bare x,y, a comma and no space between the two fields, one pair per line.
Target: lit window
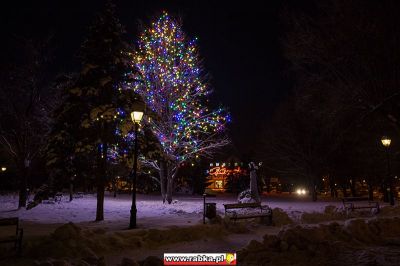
218,184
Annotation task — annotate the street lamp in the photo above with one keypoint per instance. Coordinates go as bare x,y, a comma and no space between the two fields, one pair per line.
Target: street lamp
386,142
136,116
3,168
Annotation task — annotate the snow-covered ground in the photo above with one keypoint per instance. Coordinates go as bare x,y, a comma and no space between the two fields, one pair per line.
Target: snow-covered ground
149,207
65,233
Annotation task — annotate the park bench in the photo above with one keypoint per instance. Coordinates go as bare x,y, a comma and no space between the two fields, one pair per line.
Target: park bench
256,210
358,203
17,238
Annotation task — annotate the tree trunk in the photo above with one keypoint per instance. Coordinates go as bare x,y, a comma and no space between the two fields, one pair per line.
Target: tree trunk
370,191
332,187
170,183
24,167
22,190
353,189
344,190
101,175
163,175
114,184
71,189
100,202
385,194
314,189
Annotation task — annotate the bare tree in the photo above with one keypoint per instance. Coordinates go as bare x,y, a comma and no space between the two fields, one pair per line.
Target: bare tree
24,105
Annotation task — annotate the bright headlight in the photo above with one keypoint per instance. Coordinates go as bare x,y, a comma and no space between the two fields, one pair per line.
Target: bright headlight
301,191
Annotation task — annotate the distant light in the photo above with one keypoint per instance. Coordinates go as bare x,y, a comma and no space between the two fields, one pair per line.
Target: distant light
3,169
211,164
192,164
301,191
216,164
386,141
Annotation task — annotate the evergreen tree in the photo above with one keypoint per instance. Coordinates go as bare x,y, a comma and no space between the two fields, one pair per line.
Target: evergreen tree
175,90
94,120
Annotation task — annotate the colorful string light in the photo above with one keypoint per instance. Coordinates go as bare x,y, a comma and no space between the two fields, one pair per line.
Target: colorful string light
175,89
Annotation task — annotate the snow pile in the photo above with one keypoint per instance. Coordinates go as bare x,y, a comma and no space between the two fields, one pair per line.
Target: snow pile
155,237
390,211
69,240
325,244
280,217
330,213
72,241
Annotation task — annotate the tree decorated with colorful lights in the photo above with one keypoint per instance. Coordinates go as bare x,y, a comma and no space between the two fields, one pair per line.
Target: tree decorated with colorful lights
175,90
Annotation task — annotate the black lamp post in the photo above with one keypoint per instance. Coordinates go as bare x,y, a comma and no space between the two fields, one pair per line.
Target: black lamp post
136,118
386,142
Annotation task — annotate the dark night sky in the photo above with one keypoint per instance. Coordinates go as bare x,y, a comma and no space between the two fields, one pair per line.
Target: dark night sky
239,42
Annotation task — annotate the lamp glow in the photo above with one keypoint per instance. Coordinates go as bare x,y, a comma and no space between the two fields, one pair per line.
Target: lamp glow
386,141
136,116
3,169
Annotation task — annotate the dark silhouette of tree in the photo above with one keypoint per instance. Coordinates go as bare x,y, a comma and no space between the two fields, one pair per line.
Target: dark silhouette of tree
94,120
344,59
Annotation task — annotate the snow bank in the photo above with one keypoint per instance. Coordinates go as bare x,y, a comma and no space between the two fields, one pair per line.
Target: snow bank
390,211
330,213
325,244
280,217
72,241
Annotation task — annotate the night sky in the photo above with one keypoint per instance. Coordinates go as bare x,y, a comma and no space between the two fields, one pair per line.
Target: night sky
240,43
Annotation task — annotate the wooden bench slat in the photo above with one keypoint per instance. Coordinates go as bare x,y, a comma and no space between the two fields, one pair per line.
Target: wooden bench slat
265,211
242,205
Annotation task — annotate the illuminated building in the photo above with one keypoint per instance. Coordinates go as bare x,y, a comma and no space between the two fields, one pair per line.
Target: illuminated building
219,173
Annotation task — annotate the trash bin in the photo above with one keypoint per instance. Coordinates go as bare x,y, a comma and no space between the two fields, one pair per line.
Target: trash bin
211,210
